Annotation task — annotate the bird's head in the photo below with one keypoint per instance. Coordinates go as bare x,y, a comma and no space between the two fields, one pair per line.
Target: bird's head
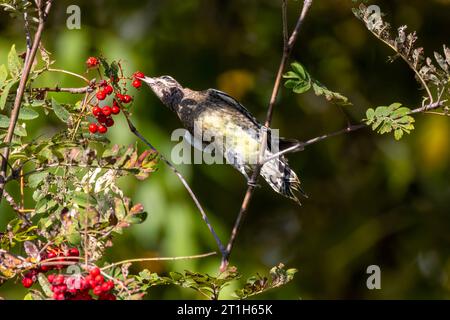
166,88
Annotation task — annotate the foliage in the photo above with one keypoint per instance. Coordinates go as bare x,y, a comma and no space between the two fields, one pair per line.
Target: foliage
391,118
300,81
73,176
210,286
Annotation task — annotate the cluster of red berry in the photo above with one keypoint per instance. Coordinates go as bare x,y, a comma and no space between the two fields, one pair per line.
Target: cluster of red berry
105,89
77,287
54,255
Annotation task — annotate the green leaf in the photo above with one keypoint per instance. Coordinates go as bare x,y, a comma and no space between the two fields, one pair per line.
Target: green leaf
5,94
14,63
300,82
27,114
392,118
73,235
302,87
3,74
398,134
60,111
35,179
4,121
20,131
300,70
370,114
45,284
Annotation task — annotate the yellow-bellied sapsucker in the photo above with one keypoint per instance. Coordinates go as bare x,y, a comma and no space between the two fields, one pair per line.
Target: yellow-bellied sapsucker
235,133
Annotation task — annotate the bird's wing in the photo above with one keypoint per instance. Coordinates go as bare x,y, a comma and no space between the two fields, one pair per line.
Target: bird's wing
228,100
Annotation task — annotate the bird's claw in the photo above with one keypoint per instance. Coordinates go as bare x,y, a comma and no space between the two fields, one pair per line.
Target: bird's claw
253,184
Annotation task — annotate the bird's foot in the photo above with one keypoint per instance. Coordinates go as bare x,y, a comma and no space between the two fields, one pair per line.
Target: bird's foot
253,184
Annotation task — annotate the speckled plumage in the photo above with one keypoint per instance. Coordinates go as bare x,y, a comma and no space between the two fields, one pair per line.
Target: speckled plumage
237,134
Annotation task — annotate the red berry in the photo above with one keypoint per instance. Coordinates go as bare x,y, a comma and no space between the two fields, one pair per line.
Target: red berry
101,118
94,272
101,95
99,279
138,74
115,109
110,284
45,268
93,128
102,129
96,110
58,296
108,89
27,282
137,83
92,62
51,255
103,83
62,288
74,252
59,280
97,290
105,287
51,278
119,96
106,110
109,122
126,98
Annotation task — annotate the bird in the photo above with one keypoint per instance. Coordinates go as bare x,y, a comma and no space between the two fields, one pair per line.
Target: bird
236,132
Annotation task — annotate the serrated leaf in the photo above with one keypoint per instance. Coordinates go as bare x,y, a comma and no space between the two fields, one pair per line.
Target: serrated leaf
3,75
5,93
4,121
27,114
73,236
35,179
20,131
45,284
14,63
60,111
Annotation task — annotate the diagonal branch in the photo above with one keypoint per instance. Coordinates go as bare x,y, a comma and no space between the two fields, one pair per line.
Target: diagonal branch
288,45
29,59
302,145
183,181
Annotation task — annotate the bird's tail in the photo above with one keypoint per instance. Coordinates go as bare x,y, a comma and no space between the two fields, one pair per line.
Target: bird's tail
282,179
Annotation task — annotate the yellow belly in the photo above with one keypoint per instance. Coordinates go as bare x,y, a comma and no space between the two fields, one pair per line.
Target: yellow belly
228,135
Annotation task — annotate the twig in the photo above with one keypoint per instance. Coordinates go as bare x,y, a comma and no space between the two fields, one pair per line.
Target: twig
198,256
21,90
302,145
86,89
70,73
183,181
288,45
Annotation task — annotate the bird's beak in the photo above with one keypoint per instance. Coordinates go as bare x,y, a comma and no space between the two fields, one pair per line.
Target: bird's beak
148,80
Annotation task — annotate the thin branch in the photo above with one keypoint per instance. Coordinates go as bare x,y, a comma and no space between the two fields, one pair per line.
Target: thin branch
183,181
81,90
70,73
198,256
410,65
43,13
302,145
287,49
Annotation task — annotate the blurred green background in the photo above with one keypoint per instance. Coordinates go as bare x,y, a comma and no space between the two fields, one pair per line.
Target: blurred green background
372,200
